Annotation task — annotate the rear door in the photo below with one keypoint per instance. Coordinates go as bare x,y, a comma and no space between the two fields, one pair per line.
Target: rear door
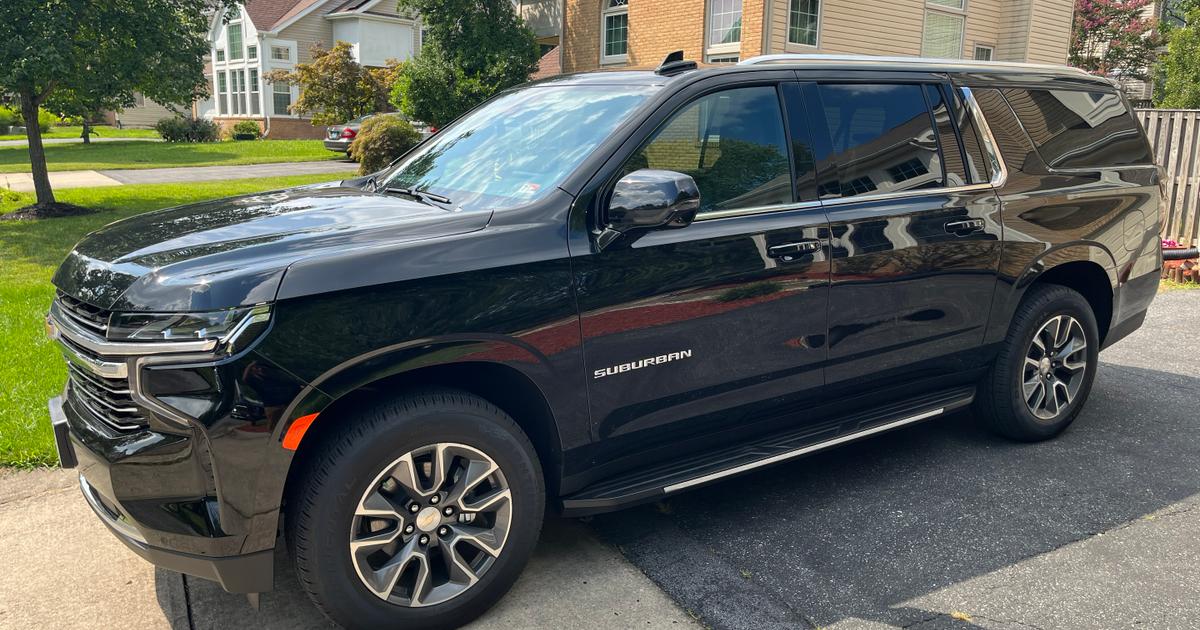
694,332
915,231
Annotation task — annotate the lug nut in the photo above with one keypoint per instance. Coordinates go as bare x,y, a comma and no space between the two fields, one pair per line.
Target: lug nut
408,529
449,511
424,539
433,500
414,508
443,531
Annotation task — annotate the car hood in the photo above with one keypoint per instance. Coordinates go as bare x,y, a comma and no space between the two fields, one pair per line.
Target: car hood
233,252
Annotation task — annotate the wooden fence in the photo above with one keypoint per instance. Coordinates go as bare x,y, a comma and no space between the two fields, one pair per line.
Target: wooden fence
1176,140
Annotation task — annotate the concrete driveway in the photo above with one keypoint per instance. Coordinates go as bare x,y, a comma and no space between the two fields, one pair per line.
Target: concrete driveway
937,526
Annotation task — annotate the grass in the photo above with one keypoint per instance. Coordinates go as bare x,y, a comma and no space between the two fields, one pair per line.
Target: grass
1170,285
102,131
145,154
32,370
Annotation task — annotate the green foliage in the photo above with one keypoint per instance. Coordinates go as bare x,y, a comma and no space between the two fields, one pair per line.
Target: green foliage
246,130
180,129
334,88
1113,38
380,140
46,120
472,50
1180,66
8,117
78,57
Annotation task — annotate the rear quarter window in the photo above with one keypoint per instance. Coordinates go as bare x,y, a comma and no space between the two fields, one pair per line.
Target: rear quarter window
1079,129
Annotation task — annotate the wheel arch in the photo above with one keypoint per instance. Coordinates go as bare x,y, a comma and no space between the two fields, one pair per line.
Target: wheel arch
1088,268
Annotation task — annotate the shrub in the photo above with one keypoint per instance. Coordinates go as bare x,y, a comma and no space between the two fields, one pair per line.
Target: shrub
180,129
69,121
8,117
246,130
380,140
46,120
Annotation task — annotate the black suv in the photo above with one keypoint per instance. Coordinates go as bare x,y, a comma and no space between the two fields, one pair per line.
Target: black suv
589,292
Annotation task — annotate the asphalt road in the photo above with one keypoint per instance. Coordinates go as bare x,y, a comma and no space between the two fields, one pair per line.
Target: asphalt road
944,525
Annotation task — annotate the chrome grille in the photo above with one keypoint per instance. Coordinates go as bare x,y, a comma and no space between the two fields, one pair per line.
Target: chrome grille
91,317
109,399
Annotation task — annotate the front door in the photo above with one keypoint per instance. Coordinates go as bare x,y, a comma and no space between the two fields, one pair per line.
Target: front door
914,232
696,332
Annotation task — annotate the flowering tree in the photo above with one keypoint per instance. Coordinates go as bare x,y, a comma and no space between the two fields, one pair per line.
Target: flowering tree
334,88
1114,38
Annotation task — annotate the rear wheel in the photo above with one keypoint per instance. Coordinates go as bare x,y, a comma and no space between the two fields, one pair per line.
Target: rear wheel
421,513
1044,372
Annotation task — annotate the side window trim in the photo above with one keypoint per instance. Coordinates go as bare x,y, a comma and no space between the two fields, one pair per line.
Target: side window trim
991,148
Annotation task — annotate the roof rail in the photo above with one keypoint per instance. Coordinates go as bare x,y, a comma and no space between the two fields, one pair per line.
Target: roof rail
785,58
674,63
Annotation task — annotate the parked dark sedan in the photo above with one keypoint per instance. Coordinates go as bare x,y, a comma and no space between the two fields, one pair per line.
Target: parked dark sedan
339,137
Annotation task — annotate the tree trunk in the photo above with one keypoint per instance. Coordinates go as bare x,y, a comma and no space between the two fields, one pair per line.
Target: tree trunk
37,153
87,131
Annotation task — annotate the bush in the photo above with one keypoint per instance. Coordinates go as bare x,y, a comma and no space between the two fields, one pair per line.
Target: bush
69,121
46,120
380,140
8,117
180,129
246,130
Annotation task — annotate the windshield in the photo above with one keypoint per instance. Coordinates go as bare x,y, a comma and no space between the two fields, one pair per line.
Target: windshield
517,147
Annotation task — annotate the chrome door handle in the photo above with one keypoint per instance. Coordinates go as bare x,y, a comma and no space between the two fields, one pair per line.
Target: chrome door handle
963,228
789,250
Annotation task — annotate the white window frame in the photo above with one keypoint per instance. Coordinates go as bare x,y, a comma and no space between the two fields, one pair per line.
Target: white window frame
291,49
721,49
293,95
608,10
229,48
988,47
723,58
222,95
220,56
252,48
961,13
789,45
254,95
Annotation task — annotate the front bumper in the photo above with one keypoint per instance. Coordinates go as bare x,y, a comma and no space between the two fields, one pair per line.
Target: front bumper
142,517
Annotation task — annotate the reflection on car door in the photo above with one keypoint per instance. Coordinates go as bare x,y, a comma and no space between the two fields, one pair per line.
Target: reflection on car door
736,301
914,231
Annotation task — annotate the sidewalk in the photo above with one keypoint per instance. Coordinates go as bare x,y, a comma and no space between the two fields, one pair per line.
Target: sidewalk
63,569
23,182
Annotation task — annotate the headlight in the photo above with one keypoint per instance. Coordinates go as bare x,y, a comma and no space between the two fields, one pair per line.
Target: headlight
236,326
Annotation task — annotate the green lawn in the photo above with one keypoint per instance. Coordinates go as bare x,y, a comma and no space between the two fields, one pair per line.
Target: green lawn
102,131
144,154
32,370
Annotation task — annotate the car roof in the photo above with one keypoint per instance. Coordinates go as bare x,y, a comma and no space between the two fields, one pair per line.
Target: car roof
996,69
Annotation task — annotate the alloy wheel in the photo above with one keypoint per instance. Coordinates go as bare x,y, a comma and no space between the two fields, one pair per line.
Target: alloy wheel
1055,366
430,525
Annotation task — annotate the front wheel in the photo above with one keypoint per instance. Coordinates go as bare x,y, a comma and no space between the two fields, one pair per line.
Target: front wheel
420,513
1044,372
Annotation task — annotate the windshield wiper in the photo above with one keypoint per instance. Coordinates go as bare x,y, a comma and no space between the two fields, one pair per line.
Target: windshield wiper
419,194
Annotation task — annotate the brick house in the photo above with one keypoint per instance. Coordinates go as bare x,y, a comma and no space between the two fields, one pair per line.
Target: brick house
639,33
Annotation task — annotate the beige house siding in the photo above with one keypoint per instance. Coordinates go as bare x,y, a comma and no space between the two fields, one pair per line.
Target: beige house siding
1013,44
308,30
983,25
145,115
1050,31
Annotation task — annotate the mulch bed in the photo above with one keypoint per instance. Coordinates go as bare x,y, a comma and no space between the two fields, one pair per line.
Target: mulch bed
47,211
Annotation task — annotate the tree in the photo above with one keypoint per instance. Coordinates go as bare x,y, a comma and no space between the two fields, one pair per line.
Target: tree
334,88
97,53
472,50
1113,38
1181,65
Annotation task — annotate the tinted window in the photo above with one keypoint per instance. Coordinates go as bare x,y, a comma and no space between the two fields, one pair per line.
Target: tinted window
978,164
952,159
732,143
1073,129
1014,145
518,146
883,139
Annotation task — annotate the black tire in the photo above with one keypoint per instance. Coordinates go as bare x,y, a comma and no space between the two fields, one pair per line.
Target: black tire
1000,403
321,508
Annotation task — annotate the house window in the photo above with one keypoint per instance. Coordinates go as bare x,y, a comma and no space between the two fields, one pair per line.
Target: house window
724,26
238,79
944,23
281,53
282,95
803,18
984,53
235,41
252,53
254,92
719,59
220,54
615,42
222,94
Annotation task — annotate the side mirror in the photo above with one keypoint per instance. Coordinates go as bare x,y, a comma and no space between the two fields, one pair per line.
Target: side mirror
651,199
